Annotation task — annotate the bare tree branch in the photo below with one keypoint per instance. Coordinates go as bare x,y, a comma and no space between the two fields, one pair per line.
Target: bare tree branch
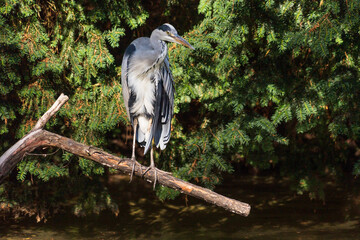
49,113
6,165
42,138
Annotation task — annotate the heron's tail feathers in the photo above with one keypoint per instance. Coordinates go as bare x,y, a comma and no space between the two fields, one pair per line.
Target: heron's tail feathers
140,137
147,145
144,135
161,124
161,134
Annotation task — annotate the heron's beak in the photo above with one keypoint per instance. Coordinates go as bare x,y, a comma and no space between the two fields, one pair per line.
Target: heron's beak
182,41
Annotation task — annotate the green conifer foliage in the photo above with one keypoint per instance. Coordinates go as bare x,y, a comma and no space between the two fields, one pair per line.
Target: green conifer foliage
274,83
53,47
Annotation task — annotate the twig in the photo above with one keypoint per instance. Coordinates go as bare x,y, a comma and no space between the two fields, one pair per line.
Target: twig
51,112
42,154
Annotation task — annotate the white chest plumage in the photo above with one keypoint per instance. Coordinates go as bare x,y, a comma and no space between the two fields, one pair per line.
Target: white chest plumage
144,80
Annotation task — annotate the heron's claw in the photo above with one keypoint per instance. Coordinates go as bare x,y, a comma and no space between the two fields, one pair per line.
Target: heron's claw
155,173
133,168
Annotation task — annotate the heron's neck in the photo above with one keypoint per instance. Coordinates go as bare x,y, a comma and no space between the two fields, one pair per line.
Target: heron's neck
158,45
155,40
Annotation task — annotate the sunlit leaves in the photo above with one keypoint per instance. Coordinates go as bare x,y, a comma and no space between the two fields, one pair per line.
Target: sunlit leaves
269,73
234,135
273,83
304,110
282,113
45,171
52,47
114,35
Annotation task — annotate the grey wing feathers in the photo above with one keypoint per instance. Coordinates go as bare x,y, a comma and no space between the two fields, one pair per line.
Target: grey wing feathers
130,50
167,105
164,106
168,85
127,94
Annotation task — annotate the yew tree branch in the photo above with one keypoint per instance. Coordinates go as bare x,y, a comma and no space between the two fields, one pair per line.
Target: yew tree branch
42,138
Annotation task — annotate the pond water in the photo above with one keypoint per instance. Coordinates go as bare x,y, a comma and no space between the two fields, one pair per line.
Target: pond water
275,215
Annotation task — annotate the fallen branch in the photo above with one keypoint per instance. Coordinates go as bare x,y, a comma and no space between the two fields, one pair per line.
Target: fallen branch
38,137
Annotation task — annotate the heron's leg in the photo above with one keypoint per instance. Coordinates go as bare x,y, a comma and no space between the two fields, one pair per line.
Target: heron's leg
152,166
133,149
134,139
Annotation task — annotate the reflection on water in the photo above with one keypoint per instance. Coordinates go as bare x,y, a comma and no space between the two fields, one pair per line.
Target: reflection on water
275,215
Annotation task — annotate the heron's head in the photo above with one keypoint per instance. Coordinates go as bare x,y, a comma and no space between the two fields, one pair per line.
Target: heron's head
168,33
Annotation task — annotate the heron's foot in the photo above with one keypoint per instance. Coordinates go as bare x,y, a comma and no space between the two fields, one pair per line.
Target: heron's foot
133,168
155,173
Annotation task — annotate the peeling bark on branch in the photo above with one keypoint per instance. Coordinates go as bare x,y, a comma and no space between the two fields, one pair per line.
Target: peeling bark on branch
38,137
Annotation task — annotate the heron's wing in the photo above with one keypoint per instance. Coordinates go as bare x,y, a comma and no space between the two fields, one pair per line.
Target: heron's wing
167,106
168,84
164,107
129,52
156,124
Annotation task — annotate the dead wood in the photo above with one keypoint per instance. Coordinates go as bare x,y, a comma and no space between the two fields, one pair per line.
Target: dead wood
38,137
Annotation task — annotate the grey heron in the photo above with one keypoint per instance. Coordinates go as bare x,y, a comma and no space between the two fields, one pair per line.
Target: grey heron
148,90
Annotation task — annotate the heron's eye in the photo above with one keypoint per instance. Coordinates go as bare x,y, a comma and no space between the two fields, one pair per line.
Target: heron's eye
168,33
